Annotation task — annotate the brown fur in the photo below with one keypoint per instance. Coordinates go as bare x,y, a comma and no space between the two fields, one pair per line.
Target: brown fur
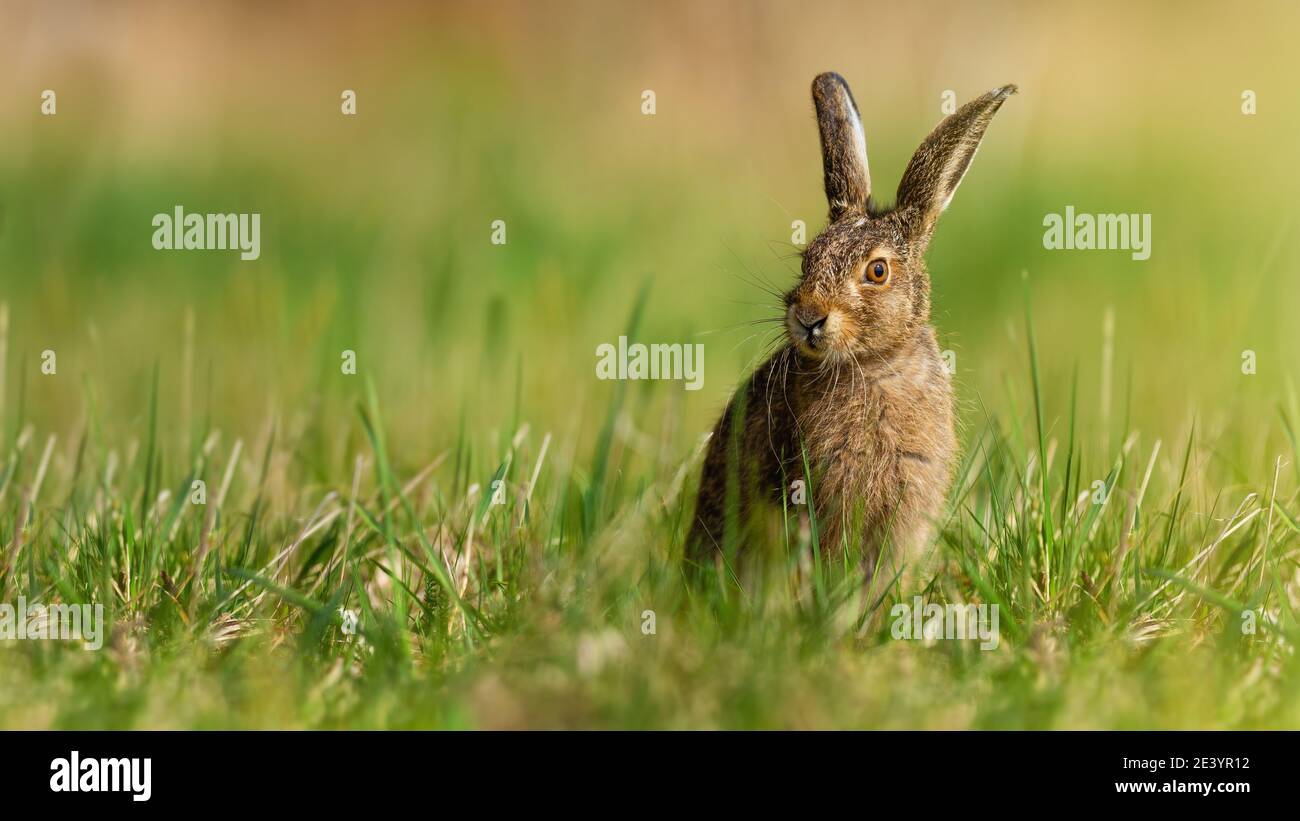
868,403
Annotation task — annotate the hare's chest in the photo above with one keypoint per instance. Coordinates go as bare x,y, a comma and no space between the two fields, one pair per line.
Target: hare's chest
885,427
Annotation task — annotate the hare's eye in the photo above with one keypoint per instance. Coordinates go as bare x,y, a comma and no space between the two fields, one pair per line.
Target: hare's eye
877,272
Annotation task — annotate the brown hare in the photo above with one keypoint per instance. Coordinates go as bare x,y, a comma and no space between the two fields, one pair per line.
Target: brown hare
858,398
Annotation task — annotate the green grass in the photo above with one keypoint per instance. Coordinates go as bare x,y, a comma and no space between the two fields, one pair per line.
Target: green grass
1123,612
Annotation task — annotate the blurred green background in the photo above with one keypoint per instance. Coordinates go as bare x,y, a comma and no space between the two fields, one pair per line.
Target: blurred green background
376,227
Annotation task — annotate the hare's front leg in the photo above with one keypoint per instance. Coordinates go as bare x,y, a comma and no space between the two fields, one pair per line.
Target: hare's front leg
890,518
906,557
908,549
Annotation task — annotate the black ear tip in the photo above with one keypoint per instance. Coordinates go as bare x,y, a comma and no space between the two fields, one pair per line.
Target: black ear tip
828,82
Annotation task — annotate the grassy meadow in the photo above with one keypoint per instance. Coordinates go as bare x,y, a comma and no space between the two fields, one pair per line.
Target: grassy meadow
372,492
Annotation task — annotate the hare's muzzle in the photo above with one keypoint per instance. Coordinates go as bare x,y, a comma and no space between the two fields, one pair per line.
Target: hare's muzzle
808,325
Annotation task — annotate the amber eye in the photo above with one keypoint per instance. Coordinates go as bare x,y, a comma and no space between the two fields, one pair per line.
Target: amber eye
877,272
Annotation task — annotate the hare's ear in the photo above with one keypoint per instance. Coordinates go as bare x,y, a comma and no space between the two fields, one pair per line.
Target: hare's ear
844,145
939,164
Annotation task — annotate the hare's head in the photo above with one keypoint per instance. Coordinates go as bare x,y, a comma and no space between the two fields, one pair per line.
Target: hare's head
865,289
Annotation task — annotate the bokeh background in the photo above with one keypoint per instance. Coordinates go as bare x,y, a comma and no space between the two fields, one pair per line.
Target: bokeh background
376,227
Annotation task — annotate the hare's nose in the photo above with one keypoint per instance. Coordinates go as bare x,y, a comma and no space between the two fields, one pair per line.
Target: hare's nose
813,322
